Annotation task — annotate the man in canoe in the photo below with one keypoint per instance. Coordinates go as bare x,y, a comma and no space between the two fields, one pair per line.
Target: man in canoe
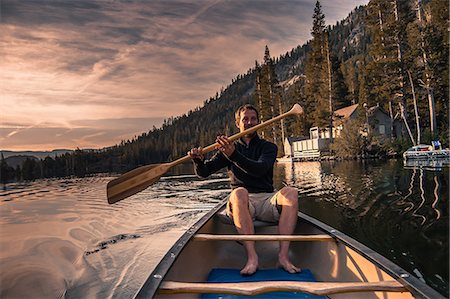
250,162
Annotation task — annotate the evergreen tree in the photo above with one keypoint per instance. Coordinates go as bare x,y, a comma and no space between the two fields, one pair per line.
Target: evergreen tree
30,169
7,173
341,96
436,75
379,86
18,173
385,73
401,44
269,99
320,74
295,126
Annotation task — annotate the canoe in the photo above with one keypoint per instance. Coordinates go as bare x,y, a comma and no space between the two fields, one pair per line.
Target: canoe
334,265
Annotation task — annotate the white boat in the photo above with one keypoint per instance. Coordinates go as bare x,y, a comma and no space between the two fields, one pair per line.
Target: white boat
427,152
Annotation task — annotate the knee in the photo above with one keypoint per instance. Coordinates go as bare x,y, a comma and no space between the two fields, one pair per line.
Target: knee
289,192
239,196
289,195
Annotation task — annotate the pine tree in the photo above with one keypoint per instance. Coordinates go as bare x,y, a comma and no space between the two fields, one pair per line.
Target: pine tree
29,169
269,99
408,37
330,85
385,74
434,25
341,96
6,172
259,96
317,108
378,82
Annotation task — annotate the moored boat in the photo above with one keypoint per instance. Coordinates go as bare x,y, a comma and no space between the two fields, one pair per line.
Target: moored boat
203,263
426,152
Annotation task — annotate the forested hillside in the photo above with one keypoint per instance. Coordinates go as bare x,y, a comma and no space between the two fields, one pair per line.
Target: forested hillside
390,53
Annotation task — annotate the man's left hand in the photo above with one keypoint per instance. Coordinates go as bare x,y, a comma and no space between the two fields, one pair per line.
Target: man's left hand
226,146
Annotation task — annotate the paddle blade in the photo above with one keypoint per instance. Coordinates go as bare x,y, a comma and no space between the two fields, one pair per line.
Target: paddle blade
296,109
134,181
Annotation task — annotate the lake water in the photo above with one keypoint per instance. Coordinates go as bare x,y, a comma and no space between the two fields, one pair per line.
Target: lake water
60,239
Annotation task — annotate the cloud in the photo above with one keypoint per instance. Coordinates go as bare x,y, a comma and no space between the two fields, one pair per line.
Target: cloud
83,133
63,61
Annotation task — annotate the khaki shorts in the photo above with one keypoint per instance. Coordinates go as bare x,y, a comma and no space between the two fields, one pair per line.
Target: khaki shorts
262,206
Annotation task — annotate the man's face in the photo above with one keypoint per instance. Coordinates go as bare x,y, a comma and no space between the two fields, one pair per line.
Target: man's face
247,120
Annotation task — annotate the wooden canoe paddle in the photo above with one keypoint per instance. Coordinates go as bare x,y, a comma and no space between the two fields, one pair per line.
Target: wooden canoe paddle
140,178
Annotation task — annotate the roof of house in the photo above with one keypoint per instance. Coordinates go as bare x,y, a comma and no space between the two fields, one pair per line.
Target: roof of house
376,108
346,112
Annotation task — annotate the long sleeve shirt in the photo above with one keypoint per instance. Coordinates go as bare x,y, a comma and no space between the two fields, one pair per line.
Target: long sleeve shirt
250,166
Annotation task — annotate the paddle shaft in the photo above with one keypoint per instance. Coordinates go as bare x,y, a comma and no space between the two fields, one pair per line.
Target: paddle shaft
295,110
140,178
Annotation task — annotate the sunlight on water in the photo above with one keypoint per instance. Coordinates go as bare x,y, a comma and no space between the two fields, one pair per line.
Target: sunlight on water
60,238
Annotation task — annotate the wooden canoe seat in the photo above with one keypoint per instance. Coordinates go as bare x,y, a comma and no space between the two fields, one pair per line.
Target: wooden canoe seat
255,288
209,237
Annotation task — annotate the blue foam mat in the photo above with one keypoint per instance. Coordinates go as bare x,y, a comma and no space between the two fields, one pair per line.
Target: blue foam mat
233,275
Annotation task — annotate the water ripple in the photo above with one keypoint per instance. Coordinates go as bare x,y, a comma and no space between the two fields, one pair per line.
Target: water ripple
115,239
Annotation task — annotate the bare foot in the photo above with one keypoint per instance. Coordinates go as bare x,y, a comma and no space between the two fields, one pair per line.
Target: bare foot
286,264
250,268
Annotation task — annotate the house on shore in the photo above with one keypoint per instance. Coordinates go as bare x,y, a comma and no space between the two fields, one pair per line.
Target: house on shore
304,148
378,123
288,145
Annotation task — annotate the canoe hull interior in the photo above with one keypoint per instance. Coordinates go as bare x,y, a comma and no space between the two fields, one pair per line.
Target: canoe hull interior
330,261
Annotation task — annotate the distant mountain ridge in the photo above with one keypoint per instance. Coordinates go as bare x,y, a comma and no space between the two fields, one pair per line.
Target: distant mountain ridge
18,160
37,154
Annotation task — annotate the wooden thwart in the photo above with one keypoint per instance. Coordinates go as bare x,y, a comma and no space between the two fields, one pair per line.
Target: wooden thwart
255,288
209,237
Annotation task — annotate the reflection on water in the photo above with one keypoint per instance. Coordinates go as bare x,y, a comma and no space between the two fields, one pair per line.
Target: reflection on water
433,165
60,238
400,212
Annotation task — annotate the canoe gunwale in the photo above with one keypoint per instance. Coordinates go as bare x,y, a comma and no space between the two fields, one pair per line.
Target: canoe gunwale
151,285
418,288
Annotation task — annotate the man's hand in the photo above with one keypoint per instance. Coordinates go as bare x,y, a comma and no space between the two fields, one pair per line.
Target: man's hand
196,153
225,145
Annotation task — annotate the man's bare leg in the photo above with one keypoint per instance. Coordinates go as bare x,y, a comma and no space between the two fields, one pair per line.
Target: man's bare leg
288,199
239,201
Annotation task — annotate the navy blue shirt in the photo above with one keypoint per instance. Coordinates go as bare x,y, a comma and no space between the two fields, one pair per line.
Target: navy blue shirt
250,166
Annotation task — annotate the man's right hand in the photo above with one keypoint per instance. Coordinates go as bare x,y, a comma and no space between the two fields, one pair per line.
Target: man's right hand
196,154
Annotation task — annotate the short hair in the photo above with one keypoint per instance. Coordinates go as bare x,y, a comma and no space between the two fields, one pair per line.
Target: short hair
237,115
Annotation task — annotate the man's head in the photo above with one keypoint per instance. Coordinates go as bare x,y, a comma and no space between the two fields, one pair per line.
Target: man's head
246,117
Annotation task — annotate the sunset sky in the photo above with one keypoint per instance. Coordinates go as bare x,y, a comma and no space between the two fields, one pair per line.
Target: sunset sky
89,74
